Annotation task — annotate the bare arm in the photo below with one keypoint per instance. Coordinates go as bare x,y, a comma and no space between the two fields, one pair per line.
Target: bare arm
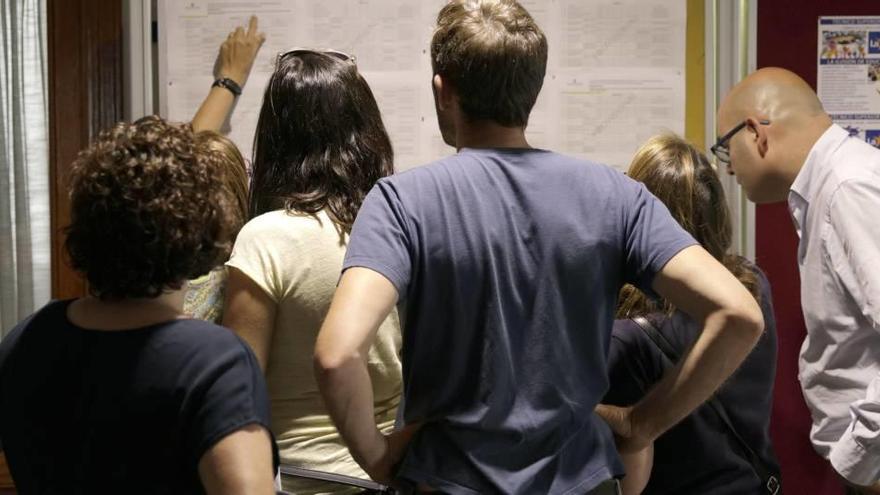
363,300
704,289
250,313
239,464
235,60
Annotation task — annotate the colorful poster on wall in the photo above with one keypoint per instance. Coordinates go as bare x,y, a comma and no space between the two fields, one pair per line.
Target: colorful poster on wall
848,77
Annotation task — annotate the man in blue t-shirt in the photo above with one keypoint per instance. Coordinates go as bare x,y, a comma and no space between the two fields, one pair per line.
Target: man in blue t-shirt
505,262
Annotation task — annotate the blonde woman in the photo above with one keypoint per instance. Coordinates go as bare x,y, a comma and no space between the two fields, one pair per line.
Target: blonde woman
699,455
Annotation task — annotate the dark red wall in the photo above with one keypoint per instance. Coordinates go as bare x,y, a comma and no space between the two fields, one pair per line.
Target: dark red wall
787,37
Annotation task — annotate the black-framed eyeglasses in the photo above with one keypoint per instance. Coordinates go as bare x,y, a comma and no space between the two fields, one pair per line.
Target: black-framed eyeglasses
326,51
720,149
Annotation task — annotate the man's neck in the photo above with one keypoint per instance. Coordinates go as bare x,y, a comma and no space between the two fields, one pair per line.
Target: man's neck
807,139
489,134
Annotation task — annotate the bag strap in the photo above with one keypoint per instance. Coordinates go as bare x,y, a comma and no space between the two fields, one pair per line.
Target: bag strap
771,481
341,479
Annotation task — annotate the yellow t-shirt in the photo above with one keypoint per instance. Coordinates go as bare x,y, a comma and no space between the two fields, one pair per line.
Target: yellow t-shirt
297,260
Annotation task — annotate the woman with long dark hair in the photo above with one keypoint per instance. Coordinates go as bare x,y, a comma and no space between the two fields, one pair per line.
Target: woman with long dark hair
320,146
702,454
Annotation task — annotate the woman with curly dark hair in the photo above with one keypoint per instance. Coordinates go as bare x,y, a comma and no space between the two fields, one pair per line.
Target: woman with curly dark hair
119,391
701,454
320,146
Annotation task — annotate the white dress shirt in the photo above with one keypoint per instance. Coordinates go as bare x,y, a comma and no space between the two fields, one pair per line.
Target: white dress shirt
835,204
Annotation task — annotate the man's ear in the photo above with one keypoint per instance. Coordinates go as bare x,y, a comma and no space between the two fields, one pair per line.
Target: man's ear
759,135
445,95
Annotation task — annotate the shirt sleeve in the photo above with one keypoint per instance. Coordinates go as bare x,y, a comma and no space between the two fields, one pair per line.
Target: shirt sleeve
853,248
225,392
632,367
254,255
856,455
853,245
652,237
381,238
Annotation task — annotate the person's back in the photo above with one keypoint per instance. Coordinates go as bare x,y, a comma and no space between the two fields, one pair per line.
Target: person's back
133,411
320,145
118,391
295,260
700,454
516,259
506,262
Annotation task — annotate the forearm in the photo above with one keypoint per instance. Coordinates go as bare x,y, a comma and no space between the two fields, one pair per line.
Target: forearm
348,396
724,343
214,110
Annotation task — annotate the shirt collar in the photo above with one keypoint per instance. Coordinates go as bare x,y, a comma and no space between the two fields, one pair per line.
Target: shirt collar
809,177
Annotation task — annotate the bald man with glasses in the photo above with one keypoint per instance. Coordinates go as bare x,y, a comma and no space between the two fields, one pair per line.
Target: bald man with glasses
781,145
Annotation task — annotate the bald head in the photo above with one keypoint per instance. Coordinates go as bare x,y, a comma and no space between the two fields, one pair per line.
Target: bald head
775,94
776,118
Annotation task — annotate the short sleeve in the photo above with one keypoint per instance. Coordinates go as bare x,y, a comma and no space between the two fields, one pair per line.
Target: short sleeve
853,246
381,238
632,367
651,237
225,392
256,255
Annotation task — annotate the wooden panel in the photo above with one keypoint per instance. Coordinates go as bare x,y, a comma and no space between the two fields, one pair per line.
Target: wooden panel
695,74
85,96
6,485
787,37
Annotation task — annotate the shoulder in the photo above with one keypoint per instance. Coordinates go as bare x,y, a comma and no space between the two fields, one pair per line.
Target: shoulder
201,334
48,318
855,166
284,229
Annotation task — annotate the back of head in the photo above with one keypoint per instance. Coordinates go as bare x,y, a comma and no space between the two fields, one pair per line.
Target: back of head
235,174
320,142
149,210
494,55
684,180
682,177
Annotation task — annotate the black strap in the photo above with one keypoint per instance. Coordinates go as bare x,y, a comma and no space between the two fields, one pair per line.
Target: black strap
771,481
341,479
232,86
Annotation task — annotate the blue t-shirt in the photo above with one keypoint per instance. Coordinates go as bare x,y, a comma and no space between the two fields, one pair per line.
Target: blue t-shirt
508,264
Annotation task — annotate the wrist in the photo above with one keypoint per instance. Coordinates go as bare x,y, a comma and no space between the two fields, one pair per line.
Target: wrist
372,454
229,84
236,76
643,431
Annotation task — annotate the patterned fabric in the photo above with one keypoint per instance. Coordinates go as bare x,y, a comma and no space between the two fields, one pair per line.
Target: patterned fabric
204,296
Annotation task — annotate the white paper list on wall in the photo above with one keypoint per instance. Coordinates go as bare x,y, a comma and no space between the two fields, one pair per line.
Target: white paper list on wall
615,72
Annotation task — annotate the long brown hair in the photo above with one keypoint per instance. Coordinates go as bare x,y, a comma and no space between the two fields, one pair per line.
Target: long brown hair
320,142
680,176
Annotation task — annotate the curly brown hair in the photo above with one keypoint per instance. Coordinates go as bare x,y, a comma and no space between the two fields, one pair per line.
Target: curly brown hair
149,210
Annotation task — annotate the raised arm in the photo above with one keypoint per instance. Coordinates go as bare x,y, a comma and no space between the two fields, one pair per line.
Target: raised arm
236,57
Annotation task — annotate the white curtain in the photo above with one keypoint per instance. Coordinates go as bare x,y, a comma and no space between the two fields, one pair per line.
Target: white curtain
25,250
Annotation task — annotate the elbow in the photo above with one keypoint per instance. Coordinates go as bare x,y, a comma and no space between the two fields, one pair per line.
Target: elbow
328,361
746,318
